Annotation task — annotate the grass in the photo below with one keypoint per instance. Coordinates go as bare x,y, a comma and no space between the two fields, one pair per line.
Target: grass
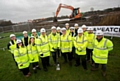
9,71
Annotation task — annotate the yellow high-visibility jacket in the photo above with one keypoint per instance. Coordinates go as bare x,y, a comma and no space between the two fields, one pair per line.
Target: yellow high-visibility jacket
101,49
67,31
80,44
33,53
21,57
65,43
91,39
85,33
53,41
12,46
43,46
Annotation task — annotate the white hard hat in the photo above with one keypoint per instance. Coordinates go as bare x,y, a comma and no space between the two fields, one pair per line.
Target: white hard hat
33,30
42,30
67,24
58,28
24,32
71,28
12,35
80,30
84,26
32,37
18,41
63,29
75,24
53,27
90,28
99,32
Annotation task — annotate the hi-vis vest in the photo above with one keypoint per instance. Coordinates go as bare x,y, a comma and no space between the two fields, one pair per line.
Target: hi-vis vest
101,49
12,46
43,46
91,39
24,40
21,57
85,33
53,41
33,53
80,44
67,31
65,43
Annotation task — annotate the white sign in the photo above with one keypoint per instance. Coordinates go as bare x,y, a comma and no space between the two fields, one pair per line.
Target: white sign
108,30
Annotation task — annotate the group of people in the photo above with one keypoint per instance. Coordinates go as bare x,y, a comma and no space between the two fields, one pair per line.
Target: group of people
75,42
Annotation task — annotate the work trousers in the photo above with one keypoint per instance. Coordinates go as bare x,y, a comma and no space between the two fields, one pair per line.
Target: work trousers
68,56
83,58
73,52
45,62
25,71
14,60
54,55
89,55
35,65
103,66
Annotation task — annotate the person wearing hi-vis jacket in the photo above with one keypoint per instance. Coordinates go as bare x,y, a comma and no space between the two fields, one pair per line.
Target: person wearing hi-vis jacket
80,43
33,54
43,48
102,46
22,59
66,46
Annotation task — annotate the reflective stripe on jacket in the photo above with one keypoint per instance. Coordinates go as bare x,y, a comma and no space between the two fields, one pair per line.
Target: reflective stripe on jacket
101,49
80,44
21,57
43,46
53,41
33,53
91,39
65,43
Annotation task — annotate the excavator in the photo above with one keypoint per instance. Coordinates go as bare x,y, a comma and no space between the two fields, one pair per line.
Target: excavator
75,12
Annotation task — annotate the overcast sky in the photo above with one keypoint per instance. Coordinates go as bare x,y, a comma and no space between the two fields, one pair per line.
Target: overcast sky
23,10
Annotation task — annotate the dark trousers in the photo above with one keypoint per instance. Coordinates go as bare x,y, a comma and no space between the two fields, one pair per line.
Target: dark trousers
35,65
45,62
25,71
103,66
67,55
89,55
83,58
54,55
73,52
14,60
58,52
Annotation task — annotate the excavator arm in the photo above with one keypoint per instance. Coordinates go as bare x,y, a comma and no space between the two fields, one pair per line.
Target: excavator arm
75,11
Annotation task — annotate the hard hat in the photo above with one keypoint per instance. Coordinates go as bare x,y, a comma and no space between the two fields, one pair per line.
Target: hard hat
42,30
66,24
90,28
12,35
99,32
53,27
32,37
63,29
80,30
18,41
75,24
33,30
58,28
24,32
71,28
84,26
